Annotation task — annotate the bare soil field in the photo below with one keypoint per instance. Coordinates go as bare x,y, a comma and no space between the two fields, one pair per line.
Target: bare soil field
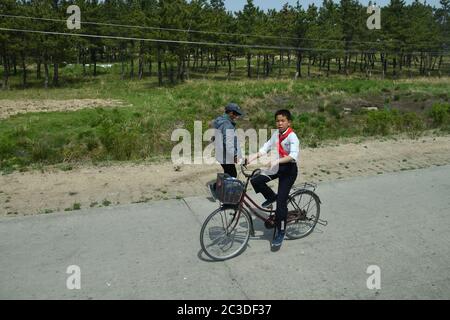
12,107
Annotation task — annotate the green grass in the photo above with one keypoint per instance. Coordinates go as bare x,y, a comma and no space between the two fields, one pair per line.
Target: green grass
143,130
75,206
440,115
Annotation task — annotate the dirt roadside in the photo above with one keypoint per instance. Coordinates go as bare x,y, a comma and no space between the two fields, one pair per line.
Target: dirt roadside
12,107
33,192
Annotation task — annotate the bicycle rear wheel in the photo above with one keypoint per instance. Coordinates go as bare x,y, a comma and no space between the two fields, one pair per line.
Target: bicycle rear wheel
225,233
303,213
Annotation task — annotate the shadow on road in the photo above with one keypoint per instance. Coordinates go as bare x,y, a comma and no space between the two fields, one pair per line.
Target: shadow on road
267,235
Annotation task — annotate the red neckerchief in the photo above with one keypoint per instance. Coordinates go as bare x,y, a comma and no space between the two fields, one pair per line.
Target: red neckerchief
281,137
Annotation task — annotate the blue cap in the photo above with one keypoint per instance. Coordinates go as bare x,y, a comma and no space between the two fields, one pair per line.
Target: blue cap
235,108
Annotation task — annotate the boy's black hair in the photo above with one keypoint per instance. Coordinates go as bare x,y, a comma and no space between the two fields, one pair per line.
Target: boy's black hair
284,112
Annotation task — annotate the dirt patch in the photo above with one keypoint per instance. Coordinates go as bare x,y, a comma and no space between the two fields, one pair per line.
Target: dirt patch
13,107
402,101
405,102
24,193
416,80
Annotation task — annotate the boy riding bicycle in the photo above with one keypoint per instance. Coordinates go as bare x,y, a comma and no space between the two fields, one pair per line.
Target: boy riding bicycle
287,147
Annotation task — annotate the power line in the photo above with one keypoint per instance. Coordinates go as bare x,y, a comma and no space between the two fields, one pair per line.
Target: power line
175,41
201,43
209,32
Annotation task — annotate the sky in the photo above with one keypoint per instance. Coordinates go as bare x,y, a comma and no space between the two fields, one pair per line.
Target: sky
236,5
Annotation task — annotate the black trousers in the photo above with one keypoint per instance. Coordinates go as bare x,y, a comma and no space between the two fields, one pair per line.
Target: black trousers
287,174
230,169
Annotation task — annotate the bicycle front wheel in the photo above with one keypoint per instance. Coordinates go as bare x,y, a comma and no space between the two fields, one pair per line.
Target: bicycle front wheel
225,233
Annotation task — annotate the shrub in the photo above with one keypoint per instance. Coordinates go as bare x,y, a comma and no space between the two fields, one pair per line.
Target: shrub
380,122
412,124
304,118
6,148
334,112
262,118
440,114
40,150
120,139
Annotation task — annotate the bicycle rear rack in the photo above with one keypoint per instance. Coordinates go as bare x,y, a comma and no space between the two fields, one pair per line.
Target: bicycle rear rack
306,185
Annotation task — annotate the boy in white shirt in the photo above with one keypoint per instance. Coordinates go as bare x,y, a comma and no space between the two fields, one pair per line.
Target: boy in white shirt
286,144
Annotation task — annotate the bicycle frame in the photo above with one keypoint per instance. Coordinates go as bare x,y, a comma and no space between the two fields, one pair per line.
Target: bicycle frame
244,204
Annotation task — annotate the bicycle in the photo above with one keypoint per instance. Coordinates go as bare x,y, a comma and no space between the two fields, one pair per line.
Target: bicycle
227,230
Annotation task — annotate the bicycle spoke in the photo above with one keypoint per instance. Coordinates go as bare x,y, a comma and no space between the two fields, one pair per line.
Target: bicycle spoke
224,221
307,204
303,214
225,233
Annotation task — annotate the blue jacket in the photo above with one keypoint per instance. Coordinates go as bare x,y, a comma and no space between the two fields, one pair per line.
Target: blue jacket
225,135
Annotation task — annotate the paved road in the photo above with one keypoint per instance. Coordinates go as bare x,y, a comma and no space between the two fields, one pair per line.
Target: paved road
399,222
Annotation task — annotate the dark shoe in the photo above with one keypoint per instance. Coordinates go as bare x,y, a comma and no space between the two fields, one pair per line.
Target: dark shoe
267,203
278,239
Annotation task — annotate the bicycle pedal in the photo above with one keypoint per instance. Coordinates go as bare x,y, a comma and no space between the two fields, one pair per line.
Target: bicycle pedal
270,222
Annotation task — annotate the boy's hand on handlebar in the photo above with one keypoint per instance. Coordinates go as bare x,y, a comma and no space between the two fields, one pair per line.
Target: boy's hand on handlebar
251,158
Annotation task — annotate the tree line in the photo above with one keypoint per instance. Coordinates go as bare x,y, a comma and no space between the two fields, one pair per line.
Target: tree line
201,36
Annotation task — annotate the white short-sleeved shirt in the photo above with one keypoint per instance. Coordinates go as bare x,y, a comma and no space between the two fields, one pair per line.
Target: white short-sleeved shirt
291,145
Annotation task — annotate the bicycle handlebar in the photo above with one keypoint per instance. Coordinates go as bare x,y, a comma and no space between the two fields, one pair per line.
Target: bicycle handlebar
254,172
